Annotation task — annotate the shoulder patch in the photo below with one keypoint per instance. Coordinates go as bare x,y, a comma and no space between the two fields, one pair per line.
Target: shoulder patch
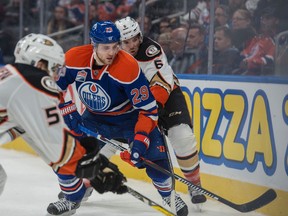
49,84
152,50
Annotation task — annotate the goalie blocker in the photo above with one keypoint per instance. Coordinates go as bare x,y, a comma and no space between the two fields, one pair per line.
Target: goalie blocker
104,176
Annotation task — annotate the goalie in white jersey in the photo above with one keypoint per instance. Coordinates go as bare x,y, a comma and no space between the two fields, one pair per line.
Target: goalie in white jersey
29,108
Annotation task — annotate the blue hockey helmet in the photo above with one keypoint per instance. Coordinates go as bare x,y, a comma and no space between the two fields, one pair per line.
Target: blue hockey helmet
104,32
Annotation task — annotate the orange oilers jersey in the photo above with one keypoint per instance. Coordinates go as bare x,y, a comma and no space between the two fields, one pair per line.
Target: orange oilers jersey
112,92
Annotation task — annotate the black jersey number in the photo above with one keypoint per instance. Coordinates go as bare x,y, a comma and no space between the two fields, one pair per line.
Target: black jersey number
52,115
158,63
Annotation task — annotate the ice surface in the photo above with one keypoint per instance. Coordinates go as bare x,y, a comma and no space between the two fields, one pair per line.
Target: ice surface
32,185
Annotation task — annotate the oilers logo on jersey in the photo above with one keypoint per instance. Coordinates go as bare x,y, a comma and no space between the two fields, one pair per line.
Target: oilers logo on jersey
94,97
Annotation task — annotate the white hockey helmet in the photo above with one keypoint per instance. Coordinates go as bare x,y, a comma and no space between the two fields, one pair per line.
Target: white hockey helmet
128,28
35,47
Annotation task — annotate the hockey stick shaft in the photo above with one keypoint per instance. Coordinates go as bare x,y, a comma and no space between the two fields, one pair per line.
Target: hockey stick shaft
259,202
173,192
149,202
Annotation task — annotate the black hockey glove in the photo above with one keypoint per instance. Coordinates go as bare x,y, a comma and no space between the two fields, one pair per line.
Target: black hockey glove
89,166
109,178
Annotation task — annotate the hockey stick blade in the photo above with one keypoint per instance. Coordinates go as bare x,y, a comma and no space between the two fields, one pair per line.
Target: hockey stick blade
149,202
257,203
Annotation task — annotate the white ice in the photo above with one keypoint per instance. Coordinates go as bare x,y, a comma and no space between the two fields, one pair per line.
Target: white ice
31,186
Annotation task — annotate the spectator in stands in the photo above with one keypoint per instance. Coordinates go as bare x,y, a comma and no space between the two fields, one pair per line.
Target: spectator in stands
251,5
164,25
59,21
269,22
226,56
107,11
93,15
196,12
259,54
242,29
164,39
181,60
222,16
235,5
196,45
127,7
77,11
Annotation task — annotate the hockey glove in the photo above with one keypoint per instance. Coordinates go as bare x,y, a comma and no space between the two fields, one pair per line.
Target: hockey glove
90,164
71,116
109,178
140,145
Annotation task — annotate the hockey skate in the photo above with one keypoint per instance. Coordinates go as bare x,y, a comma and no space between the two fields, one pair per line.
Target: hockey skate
87,194
197,198
181,207
63,207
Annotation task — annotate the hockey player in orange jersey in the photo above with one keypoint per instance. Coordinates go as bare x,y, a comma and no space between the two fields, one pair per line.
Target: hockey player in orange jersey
118,101
173,112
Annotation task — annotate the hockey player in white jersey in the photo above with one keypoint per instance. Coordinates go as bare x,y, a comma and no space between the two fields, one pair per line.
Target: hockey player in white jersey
174,117
29,107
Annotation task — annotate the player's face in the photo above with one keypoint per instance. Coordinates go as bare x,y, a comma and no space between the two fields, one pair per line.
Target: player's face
106,52
43,65
131,45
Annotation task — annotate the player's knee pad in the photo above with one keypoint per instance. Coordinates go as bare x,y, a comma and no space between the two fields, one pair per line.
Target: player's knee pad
3,178
182,140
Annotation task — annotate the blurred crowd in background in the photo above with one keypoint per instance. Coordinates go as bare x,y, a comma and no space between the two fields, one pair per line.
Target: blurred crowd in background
249,37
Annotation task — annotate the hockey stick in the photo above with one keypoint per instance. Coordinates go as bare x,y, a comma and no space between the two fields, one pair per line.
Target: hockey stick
173,192
259,202
149,202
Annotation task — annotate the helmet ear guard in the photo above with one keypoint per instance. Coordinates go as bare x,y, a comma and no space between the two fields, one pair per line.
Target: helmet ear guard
35,47
104,32
128,28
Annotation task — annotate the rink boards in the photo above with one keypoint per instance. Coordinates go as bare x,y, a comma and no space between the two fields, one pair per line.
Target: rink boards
241,125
